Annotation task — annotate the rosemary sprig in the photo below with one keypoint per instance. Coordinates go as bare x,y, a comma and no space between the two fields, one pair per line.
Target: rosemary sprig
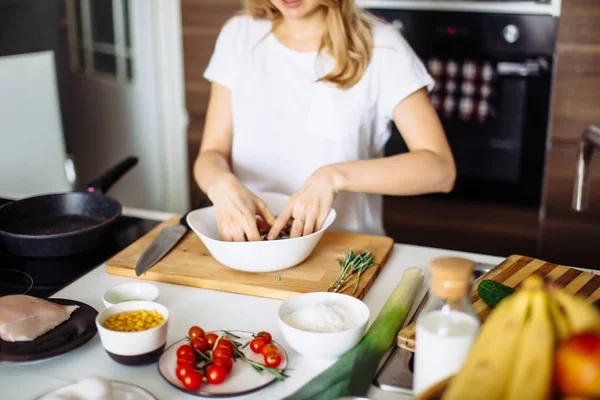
352,265
280,375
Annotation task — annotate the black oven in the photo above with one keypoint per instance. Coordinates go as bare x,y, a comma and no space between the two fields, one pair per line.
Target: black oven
493,76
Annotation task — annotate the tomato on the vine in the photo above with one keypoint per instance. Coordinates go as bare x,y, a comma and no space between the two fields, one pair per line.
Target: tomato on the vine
216,374
264,334
199,343
195,332
186,359
211,339
269,347
222,352
257,344
225,362
183,370
225,343
192,381
272,359
185,349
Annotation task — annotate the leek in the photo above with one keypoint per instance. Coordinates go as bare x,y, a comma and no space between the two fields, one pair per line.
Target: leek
352,373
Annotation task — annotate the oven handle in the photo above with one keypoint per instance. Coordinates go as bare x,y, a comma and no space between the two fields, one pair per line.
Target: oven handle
524,69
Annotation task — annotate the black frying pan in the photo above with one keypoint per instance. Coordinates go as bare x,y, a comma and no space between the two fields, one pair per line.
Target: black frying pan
58,225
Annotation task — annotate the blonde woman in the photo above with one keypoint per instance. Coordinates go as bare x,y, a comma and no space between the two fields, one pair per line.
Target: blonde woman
303,94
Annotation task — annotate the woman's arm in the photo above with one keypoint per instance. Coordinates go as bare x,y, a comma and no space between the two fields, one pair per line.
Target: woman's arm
212,163
235,206
428,167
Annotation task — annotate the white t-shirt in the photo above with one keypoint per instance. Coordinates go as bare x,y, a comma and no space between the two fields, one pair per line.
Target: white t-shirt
286,125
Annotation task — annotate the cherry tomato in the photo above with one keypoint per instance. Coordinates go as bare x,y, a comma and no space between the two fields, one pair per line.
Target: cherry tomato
269,347
211,338
186,359
192,381
195,332
222,352
225,343
272,359
200,343
266,335
216,374
257,344
185,348
225,362
183,370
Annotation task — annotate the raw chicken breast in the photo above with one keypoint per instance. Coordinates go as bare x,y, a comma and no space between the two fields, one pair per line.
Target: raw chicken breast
24,318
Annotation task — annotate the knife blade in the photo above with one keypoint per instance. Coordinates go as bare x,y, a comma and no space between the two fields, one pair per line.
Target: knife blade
161,245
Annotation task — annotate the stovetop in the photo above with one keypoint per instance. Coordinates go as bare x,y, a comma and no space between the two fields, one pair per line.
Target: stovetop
42,277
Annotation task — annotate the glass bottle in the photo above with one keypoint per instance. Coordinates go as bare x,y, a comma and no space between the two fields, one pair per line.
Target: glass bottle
447,325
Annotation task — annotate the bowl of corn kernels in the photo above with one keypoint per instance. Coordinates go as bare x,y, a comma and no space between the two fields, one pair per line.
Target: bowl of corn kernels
134,332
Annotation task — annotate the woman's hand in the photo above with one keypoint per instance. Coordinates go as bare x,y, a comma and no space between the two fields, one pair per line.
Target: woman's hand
236,208
309,206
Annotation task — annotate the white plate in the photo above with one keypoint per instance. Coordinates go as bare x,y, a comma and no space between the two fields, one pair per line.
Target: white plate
120,391
242,379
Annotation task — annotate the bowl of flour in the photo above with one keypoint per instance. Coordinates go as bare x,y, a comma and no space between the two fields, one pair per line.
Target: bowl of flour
323,324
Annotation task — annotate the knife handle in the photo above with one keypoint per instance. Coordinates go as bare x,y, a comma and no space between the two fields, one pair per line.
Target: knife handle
201,204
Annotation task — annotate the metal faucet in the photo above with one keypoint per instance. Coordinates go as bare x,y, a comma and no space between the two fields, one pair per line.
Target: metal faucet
590,139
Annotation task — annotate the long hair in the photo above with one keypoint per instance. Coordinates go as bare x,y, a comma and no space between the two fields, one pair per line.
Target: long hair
348,37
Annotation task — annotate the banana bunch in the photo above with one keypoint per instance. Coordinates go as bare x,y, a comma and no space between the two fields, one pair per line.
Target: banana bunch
513,356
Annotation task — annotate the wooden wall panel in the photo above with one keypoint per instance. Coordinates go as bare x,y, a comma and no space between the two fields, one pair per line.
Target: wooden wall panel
567,236
577,85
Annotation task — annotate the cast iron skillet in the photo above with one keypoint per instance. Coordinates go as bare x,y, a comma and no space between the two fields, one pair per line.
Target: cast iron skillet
62,224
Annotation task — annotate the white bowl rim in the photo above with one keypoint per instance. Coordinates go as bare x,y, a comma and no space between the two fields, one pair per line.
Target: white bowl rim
354,300
114,310
127,285
331,216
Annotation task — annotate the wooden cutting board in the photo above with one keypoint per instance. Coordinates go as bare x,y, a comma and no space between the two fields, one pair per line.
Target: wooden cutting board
511,272
191,264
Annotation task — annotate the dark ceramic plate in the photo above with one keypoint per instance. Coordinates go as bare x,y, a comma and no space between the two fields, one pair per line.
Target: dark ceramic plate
69,335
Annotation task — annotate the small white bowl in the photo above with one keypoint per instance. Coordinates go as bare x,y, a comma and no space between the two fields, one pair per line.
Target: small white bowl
324,344
261,256
130,292
134,348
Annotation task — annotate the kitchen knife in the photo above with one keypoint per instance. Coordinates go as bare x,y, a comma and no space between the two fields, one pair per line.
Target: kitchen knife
162,244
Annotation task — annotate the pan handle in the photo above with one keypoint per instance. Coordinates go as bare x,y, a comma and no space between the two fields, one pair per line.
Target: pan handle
110,177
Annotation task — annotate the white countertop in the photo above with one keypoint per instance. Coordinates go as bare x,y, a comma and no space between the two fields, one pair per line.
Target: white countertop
209,309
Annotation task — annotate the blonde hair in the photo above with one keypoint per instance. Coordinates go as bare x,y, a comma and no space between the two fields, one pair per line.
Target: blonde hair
348,37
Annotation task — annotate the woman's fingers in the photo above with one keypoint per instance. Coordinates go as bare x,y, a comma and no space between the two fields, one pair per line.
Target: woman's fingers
323,213
280,223
311,219
297,228
264,211
250,227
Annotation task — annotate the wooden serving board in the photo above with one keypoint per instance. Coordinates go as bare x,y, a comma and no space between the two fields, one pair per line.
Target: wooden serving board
191,264
511,272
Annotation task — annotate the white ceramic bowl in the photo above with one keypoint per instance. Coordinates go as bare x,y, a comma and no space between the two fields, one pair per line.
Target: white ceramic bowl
262,256
323,344
134,348
130,291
